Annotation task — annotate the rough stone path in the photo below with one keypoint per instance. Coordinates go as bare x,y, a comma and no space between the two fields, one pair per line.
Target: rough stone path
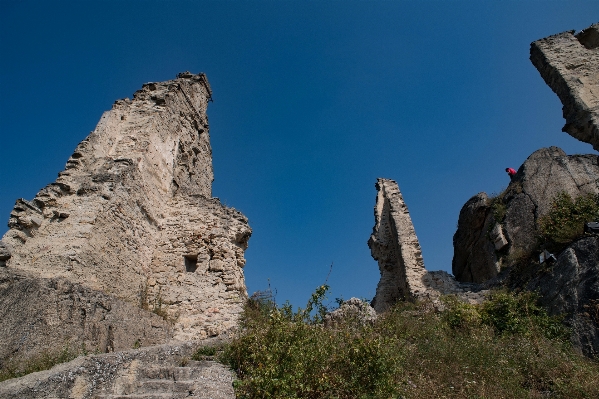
197,379
159,372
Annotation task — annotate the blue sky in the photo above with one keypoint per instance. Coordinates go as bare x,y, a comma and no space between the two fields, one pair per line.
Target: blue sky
312,102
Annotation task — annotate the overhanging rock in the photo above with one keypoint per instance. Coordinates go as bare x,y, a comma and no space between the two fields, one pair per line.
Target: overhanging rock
569,64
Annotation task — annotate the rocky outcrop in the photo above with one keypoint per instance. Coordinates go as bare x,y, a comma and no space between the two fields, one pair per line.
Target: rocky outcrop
130,223
352,310
570,287
4,253
394,245
569,64
493,232
474,258
56,314
153,372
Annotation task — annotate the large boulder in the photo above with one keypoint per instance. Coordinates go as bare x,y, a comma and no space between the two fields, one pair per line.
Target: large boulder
474,257
394,244
514,215
570,287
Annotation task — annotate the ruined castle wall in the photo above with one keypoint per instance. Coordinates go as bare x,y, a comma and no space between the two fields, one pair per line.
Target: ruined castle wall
394,244
569,64
132,215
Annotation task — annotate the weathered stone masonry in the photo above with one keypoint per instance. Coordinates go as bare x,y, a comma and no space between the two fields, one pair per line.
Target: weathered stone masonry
394,245
132,217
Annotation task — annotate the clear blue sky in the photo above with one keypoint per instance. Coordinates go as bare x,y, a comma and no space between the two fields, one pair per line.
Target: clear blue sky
312,102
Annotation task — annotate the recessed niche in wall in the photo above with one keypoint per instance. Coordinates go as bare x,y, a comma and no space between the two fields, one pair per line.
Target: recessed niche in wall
191,263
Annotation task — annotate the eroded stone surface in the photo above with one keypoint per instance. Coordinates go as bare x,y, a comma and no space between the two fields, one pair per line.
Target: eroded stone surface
352,310
569,64
154,372
570,287
131,216
394,245
474,258
545,174
50,315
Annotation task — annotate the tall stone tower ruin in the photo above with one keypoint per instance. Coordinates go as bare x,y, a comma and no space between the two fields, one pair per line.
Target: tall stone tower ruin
128,241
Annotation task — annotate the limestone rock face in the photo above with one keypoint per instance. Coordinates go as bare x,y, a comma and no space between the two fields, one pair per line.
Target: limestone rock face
4,253
394,245
154,372
569,64
474,257
545,173
354,309
132,217
52,314
570,287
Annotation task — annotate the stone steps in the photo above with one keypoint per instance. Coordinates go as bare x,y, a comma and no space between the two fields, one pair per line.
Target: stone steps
159,372
197,379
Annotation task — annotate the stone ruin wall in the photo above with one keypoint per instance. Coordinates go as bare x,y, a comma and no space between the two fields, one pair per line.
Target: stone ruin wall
132,217
394,244
569,64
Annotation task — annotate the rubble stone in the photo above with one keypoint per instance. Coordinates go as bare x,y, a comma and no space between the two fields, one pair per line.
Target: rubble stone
165,371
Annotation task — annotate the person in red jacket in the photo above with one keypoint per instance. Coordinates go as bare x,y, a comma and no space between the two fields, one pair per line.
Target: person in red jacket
511,172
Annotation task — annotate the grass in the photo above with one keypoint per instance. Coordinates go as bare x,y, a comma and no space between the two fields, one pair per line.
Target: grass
43,361
507,347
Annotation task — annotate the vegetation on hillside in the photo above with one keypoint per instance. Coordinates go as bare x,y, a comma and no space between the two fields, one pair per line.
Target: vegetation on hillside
565,221
508,347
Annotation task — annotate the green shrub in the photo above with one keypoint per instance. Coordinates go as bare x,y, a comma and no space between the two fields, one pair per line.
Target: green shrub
501,349
459,314
520,313
566,218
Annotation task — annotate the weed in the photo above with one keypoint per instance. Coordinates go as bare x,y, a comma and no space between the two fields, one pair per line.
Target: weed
44,361
208,352
518,256
565,220
509,313
143,296
155,306
505,348
459,314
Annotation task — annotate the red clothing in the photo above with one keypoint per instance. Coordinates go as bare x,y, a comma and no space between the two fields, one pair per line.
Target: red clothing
510,171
